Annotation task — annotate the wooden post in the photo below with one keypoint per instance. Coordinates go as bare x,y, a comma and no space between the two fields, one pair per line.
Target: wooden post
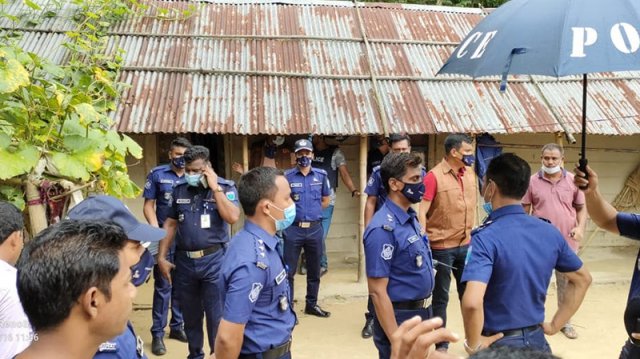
364,145
228,160
559,139
245,152
37,212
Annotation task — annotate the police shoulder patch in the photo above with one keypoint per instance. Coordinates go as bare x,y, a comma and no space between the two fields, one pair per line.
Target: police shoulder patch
387,252
231,195
255,292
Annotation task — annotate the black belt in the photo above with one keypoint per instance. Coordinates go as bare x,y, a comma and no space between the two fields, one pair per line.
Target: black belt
274,353
203,252
413,304
514,332
306,224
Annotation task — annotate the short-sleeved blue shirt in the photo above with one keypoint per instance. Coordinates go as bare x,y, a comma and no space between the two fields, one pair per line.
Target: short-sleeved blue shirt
191,205
159,187
629,226
375,187
515,255
257,290
307,192
395,248
125,346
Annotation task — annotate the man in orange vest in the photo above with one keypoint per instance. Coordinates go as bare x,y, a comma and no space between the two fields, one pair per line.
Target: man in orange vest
447,213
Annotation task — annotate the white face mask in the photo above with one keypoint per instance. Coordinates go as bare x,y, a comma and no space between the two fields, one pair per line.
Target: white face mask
551,170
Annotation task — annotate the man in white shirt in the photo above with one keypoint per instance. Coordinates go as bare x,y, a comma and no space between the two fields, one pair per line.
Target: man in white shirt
15,331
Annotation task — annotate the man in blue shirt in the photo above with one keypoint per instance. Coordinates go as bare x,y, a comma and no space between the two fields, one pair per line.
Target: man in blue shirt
398,258
509,265
157,195
332,160
625,224
310,191
258,319
105,208
202,209
376,196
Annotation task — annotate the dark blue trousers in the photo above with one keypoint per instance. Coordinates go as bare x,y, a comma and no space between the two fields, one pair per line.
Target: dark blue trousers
164,295
295,239
533,340
197,282
629,351
454,257
380,338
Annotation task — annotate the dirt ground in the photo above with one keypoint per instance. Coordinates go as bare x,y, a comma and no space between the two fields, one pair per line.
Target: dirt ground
598,322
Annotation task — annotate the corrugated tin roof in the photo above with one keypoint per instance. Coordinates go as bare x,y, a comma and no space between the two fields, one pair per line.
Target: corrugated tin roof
294,67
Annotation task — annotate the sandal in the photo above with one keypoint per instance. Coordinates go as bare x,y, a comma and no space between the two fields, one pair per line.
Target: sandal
569,332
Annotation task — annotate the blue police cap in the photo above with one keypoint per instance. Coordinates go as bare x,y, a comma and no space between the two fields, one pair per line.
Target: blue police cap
303,144
109,208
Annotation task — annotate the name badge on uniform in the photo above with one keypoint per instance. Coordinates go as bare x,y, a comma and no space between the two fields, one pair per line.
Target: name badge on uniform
281,277
205,221
284,303
183,201
419,261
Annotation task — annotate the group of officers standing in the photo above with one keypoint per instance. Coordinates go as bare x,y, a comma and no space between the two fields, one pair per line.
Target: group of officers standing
410,253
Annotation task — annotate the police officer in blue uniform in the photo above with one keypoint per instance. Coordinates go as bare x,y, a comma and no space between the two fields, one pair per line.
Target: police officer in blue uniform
376,196
202,209
310,191
157,195
258,319
625,224
127,345
398,259
509,265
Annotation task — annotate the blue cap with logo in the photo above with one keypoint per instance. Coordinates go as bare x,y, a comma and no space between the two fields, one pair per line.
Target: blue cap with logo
112,209
303,144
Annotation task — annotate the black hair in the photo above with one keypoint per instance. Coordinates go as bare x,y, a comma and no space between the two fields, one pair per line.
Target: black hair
197,152
64,261
505,352
397,137
511,174
10,220
257,184
455,140
179,142
395,165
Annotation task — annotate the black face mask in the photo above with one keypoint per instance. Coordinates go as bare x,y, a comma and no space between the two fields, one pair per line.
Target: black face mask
179,162
413,191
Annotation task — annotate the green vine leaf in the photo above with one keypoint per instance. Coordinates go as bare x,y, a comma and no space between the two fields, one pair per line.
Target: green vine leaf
12,75
19,162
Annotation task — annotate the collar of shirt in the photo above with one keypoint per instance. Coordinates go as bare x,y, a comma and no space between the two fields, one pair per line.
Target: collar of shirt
402,216
299,171
259,232
506,210
541,175
6,267
446,168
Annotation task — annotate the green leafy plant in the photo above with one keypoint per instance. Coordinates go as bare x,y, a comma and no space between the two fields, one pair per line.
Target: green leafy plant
54,118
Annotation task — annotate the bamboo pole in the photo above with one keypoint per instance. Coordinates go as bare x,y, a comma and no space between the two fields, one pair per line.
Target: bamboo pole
37,212
245,152
364,145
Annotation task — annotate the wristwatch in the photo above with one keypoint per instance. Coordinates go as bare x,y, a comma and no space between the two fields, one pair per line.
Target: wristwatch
218,189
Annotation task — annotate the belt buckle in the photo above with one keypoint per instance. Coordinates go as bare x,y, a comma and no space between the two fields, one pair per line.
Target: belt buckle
305,224
426,303
195,254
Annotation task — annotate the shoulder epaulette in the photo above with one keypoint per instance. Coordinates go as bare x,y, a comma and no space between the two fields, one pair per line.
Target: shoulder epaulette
159,168
320,170
261,254
290,171
225,181
479,228
375,169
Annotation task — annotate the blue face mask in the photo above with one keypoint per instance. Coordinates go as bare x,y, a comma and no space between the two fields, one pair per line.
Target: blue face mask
487,207
179,162
304,161
413,191
289,217
468,160
193,180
